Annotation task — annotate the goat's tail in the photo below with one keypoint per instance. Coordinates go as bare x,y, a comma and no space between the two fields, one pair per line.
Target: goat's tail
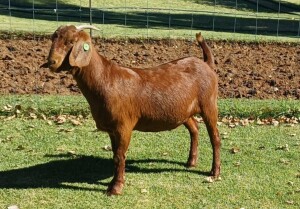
207,54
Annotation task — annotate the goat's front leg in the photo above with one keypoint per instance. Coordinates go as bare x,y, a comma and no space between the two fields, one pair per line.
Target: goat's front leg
120,142
192,126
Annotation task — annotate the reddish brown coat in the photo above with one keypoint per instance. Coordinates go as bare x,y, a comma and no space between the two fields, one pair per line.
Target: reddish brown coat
154,99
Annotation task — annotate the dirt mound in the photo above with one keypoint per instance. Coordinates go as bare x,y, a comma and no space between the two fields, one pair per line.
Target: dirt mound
246,70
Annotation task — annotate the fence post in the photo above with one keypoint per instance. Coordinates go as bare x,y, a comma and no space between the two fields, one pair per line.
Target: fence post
91,20
33,17
278,18
10,26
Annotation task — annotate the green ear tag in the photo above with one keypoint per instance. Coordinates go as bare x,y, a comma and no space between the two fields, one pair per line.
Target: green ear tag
86,47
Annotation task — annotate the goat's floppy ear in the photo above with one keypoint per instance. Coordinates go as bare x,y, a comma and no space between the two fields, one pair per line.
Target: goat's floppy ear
81,53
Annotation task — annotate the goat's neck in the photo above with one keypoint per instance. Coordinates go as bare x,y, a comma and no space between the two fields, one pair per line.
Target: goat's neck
90,79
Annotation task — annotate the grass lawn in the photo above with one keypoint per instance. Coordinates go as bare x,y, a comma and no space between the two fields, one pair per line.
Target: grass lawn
76,105
46,165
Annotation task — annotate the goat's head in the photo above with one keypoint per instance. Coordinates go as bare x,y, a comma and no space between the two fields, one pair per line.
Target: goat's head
71,47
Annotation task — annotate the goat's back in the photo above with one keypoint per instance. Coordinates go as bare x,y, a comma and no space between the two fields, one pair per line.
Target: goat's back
169,94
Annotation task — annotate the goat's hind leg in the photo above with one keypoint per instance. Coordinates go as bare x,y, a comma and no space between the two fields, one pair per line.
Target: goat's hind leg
210,117
193,128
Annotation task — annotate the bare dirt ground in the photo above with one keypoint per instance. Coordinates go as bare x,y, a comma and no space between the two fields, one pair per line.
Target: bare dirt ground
246,70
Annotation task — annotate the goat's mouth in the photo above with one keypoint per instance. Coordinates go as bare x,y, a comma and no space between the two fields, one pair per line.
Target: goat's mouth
57,64
54,66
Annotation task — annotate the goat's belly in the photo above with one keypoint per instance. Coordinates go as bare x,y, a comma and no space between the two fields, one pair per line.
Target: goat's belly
155,126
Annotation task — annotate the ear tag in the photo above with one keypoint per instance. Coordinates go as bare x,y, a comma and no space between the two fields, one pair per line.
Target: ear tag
86,46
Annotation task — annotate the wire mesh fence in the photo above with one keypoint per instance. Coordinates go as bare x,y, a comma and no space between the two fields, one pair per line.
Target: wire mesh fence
248,19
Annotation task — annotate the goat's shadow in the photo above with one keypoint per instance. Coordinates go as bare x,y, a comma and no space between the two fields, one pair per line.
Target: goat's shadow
62,172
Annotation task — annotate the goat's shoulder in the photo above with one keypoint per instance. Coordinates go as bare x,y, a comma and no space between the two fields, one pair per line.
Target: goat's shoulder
116,72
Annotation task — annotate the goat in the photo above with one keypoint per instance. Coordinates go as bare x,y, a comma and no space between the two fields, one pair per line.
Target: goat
155,99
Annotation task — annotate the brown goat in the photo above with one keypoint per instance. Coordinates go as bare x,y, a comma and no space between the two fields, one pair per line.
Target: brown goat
155,99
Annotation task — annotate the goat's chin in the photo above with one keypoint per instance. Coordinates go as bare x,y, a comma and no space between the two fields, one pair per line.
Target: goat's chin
55,69
59,68
52,69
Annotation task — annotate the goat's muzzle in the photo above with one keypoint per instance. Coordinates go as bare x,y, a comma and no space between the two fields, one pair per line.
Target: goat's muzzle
54,61
48,64
52,65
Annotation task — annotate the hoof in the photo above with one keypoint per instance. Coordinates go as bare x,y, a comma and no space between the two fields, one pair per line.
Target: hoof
191,163
215,173
115,189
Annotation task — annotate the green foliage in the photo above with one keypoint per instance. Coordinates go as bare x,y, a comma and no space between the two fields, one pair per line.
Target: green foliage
249,108
162,19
